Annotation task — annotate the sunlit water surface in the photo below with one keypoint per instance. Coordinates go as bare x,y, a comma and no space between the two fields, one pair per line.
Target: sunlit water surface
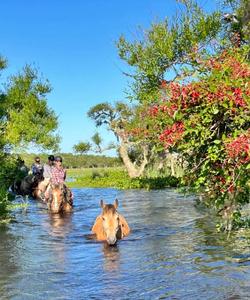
173,252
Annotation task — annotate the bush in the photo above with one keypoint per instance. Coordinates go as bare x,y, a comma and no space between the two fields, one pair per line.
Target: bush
118,178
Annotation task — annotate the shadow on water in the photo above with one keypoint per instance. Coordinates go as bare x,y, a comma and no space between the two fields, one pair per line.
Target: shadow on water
173,252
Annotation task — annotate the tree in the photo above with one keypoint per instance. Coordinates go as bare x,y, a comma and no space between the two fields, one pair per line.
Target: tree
239,18
97,140
25,117
165,47
117,118
82,147
202,112
207,122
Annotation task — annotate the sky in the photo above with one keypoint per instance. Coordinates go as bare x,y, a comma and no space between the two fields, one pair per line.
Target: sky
72,44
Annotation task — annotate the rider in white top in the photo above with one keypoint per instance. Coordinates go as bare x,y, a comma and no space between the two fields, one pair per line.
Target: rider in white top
43,186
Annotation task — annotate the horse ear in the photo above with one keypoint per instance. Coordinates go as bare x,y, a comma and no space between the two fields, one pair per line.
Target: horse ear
101,203
124,226
116,203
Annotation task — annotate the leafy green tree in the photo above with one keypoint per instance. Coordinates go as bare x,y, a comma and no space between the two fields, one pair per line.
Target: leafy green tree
202,111
165,47
97,140
117,118
25,117
207,122
238,18
82,147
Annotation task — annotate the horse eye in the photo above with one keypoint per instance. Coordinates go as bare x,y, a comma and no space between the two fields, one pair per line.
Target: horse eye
103,218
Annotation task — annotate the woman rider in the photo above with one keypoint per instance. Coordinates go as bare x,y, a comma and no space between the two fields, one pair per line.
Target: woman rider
58,176
47,174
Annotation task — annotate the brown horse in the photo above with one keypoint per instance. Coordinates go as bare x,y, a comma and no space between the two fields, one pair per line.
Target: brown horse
60,200
38,191
110,225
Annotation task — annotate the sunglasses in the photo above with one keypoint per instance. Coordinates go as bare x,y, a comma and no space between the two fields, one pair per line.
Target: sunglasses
58,160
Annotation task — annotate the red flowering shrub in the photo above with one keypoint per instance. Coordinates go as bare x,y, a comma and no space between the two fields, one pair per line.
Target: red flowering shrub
172,134
207,121
239,149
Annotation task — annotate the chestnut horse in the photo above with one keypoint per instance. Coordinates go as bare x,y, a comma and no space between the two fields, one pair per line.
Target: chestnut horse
60,201
110,225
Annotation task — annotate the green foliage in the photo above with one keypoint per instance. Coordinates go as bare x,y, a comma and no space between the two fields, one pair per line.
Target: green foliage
97,140
25,117
4,201
240,17
102,113
118,178
75,161
9,171
202,113
207,122
165,46
3,63
111,115
82,147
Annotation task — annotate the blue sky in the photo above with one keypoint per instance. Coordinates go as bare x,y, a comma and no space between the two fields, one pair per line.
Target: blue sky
72,43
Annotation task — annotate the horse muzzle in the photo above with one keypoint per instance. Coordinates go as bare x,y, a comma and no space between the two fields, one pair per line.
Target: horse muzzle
111,240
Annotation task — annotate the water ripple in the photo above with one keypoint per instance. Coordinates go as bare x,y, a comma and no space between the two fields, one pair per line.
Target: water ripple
173,252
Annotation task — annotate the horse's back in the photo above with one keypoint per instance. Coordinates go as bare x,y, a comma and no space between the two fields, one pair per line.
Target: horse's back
27,185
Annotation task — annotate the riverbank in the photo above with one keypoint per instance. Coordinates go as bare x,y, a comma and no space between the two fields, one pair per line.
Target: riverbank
116,178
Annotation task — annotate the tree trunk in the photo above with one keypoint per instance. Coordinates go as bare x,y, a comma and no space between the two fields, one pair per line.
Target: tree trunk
133,170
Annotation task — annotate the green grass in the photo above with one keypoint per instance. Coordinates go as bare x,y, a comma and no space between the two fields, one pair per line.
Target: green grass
116,178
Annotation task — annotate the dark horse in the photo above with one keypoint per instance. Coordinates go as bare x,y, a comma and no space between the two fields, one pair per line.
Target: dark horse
27,185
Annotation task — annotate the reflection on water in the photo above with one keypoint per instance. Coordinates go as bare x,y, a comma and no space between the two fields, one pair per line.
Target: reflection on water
111,257
173,252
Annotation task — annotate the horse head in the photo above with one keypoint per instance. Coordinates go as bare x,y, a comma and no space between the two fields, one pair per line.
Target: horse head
59,201
110,225
56,200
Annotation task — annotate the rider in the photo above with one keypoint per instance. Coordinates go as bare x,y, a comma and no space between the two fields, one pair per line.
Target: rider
37,167
47,174
47,168
58,176
22,167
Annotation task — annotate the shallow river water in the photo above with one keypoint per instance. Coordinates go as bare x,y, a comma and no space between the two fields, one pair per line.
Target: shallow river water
173,252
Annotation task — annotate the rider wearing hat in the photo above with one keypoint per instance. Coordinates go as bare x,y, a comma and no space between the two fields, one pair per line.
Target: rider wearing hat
37,167
58,173
47,174
47,168
58,176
